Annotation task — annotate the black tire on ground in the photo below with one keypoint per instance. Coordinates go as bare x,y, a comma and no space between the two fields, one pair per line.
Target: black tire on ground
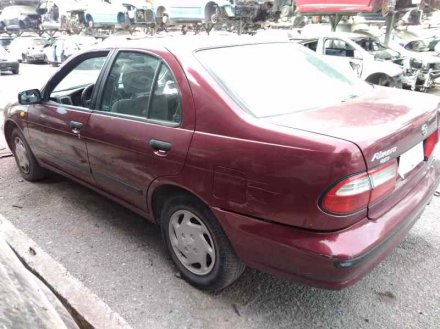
227,266
35,172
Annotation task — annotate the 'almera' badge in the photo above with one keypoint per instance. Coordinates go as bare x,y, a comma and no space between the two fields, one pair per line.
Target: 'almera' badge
384,155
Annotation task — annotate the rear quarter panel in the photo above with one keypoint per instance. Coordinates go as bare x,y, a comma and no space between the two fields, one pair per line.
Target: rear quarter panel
239,164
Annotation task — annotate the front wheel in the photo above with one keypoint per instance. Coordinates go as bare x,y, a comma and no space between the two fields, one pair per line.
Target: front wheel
198,246
29,168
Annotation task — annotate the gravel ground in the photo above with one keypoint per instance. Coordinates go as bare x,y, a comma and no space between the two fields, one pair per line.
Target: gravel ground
120,257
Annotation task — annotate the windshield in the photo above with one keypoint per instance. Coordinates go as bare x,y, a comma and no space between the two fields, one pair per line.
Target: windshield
296,81
374,47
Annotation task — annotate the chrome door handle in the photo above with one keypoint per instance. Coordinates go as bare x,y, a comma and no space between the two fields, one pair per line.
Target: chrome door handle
160,147
76,126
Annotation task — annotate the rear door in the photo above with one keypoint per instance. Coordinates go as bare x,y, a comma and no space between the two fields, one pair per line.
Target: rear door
142,126
56,126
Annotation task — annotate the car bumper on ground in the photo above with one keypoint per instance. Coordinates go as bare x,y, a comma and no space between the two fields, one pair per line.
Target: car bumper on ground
332,260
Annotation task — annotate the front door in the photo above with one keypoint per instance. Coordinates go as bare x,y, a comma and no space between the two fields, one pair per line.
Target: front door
343,56
56,126
142,126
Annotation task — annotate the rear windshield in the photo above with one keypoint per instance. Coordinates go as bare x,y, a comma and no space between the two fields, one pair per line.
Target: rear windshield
278,78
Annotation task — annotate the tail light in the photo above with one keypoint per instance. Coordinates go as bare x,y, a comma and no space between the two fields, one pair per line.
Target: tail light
431,142
358,192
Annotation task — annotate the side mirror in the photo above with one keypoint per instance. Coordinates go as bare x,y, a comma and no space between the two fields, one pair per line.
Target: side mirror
29,97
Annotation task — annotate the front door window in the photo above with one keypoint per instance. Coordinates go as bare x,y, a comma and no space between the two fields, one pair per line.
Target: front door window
76,88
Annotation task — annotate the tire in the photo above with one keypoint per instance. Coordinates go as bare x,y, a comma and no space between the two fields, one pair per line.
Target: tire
16,71
223,268
24,58
381,79
30,170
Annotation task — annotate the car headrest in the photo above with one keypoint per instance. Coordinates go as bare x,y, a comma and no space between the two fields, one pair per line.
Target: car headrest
137,78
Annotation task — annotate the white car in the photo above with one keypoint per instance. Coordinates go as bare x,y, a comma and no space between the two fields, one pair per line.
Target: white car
7,63
28,49
66,46
346,51
56,14
424,64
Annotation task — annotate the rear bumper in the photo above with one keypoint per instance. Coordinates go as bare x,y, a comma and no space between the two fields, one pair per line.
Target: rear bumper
333,260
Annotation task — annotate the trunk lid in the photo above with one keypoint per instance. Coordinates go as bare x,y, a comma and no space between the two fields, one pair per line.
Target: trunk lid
384,125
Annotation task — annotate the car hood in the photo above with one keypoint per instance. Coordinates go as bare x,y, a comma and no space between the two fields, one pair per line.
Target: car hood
427,56
386,119
386,66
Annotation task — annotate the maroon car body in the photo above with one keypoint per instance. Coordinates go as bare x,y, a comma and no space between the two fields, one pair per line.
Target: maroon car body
265,179
347,7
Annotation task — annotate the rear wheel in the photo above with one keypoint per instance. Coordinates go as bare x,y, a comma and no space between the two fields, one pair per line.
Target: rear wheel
381,80
198,246
26,162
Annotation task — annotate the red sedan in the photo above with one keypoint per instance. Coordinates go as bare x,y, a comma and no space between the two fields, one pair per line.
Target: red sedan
283,165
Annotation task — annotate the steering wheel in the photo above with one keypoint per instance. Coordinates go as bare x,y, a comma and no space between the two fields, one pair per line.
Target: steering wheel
86,95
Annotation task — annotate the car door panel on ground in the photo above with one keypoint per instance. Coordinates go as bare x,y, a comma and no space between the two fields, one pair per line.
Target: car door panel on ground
56,126
133,137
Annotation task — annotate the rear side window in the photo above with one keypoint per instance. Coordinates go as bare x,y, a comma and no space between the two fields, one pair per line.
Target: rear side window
336,47
166,104
311,45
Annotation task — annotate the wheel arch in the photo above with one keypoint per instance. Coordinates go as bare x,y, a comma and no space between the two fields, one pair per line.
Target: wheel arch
376,75
9,128
210,9
88,17
162,193
160,11
121,18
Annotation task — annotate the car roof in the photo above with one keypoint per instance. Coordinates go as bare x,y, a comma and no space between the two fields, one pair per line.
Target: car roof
23,9
346,35
189,44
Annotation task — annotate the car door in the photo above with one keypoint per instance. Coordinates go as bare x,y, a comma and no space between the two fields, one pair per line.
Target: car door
142,126
57,124
342,55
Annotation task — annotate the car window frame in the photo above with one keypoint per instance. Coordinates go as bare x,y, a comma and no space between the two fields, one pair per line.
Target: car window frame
67,69
108,69
341,40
